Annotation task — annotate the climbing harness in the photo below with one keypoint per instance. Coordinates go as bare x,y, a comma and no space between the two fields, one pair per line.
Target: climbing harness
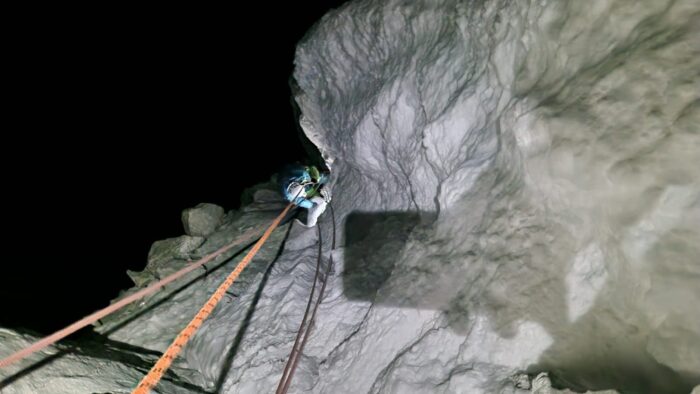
304,330
314,186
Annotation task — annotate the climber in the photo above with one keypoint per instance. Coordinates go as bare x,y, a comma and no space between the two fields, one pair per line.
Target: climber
306,187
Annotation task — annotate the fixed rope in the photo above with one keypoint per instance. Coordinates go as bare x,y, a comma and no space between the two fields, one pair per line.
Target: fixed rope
156,373
305,330
93,318
300,332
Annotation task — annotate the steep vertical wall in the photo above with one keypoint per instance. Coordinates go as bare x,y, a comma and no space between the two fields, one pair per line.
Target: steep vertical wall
529,177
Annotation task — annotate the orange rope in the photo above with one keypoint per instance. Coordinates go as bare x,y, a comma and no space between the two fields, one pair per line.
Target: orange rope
156,373
58,335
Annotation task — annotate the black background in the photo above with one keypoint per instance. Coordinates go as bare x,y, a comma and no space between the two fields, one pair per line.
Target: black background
117,120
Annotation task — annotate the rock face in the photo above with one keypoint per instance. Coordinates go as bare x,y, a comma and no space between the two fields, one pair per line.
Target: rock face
516,191
165,257
93,366
542,385
519,189
202,220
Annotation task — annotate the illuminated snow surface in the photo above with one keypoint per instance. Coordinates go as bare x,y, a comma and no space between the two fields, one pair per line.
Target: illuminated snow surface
517,190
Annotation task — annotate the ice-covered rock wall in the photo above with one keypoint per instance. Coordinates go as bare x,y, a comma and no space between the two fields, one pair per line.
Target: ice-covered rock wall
541,162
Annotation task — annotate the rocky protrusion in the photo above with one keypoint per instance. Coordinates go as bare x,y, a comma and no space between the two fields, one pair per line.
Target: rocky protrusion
173,248
542,385
162,256
202,220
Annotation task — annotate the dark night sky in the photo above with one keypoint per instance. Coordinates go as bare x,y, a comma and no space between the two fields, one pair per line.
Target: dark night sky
121,120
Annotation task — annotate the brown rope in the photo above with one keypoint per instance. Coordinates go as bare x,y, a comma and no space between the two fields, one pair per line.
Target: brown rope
293,359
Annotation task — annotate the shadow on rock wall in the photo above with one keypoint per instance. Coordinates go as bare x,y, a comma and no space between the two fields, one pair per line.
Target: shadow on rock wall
394,259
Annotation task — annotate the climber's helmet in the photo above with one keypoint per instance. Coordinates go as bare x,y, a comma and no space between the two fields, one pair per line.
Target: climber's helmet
314,174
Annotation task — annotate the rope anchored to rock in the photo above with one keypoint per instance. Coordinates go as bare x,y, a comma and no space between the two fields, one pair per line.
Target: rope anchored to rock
156,373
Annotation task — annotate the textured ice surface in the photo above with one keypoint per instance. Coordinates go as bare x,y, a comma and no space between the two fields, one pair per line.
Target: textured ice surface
516,188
